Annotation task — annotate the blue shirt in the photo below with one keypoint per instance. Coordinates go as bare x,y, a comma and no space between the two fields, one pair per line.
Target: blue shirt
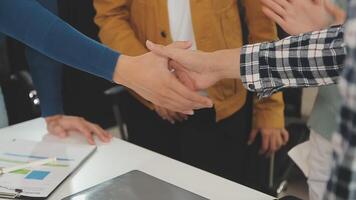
30,23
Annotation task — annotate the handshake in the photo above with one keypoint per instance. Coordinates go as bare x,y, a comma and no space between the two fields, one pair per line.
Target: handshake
171,76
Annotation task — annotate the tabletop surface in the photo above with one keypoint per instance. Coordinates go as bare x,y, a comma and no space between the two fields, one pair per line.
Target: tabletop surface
118,157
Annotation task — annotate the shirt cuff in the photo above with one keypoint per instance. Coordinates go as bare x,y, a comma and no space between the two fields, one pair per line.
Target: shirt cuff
255,70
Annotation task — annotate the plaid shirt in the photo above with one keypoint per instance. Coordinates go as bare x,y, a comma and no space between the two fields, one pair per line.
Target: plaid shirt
308,60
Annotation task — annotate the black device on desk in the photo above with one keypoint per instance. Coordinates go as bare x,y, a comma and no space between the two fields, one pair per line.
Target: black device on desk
135,185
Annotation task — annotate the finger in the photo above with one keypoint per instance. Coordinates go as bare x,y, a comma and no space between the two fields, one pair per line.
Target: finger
172,53
183,75
175,116
273,145
59,131
177,103
161,112
200,101
252,136
279,140
336,12
275,7
283,3
265,142
318,2
186,80
100,133
285,136
87,134
181,44
273,16
169,116
169,99
183,116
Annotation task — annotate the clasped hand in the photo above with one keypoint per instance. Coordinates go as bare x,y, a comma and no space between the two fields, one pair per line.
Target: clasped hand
170,76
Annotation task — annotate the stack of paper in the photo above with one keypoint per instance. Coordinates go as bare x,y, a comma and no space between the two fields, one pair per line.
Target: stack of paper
39,181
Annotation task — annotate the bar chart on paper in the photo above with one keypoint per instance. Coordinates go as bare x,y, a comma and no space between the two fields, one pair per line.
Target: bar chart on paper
38,181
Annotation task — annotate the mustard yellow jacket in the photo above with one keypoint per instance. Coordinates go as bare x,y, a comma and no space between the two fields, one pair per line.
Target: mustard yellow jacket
125,25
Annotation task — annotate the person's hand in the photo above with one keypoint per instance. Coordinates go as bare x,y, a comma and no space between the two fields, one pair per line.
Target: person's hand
301,16
272,139
200,70
335,11
150,77
170,116
61,126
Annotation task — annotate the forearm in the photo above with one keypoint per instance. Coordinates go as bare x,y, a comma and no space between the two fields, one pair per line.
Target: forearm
28,22
307,60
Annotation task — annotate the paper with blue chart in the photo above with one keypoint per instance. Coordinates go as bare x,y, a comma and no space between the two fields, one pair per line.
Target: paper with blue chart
42,180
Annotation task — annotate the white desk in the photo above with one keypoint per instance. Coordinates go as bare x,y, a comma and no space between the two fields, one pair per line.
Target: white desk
119,157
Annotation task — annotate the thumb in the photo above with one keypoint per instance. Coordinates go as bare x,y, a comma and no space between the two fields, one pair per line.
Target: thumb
336,12
318,2
181,45
163,51
252,136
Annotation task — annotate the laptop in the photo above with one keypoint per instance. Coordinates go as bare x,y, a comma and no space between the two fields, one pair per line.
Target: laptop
135,185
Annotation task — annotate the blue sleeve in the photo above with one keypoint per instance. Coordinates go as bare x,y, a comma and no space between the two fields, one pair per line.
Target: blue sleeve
46,74
30,23
47,78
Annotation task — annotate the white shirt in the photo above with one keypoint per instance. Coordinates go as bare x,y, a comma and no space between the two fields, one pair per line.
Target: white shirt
180,21
181,25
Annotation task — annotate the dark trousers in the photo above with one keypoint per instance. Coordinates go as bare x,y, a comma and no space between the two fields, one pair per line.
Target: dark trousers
148,130
220,148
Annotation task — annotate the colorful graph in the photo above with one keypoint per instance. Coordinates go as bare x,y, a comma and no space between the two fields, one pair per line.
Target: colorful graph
36,157
23,162
37,175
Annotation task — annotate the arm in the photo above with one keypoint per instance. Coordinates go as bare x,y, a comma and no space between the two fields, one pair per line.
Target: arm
115,30
268,113
43,31
113,19
29,22
308,60
46,74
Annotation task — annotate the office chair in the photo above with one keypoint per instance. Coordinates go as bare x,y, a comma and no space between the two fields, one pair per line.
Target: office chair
20,96
115,93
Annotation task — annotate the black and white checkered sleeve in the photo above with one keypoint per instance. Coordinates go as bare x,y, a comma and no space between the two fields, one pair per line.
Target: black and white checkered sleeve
306,60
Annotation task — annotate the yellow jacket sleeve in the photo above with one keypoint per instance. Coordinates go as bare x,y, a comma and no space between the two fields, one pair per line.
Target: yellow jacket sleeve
268,112
112,17
261,28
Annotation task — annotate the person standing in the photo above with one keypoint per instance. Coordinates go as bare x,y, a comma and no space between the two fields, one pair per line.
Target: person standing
215,139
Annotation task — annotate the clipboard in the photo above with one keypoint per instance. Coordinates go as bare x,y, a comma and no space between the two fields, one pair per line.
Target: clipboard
41,181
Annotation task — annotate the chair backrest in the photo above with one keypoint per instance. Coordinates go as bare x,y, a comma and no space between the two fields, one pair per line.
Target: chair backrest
4,62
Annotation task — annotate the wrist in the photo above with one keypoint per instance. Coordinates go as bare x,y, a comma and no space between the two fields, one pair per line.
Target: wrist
227,63
122,69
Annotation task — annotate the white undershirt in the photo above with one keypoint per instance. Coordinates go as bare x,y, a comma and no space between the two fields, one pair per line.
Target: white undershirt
181,25
180,21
